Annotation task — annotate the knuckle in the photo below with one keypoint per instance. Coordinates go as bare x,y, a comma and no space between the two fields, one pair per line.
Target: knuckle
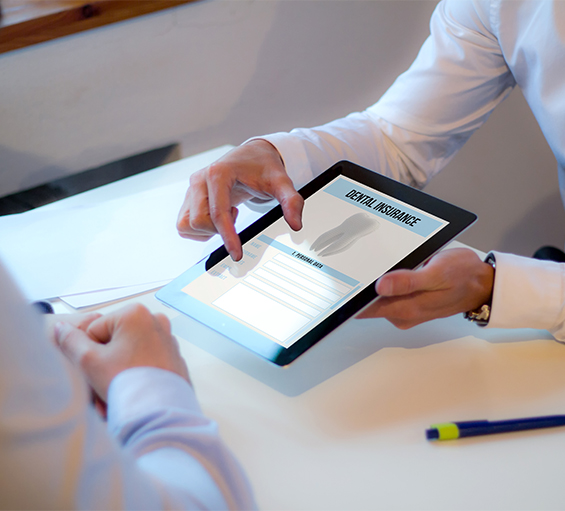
401,319
217,214
405,320
87,360
214,211
183,223
135,312
403,325
279,184
409,286
406,283
294,200
163,319
200,222
197,178
217,171
140,310
195,236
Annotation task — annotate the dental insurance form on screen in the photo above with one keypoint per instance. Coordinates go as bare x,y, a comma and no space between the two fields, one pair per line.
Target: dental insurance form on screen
288,282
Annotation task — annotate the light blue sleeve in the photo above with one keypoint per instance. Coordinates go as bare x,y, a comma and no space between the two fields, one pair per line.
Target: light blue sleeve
157,452
154,414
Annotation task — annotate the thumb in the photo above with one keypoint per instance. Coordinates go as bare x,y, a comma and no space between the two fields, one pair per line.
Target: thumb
405,282
234,213
73,342
292,205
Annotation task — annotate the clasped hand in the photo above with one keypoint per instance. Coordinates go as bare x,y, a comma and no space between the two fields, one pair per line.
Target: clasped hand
101,347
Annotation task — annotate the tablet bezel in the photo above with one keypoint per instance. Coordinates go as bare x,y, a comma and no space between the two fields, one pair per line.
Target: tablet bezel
458,220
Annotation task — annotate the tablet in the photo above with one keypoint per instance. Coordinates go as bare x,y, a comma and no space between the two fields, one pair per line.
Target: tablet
291,289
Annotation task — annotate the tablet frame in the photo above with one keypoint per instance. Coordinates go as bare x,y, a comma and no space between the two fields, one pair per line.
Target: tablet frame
458,220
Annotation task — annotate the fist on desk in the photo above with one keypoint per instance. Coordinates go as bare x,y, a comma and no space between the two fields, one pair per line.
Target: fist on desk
104,346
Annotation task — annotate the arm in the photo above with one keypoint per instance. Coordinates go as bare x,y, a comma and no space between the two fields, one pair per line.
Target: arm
160,451
426,116
529,293
414,130
526,292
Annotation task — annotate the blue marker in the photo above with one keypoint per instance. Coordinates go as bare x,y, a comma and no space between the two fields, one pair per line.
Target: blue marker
454,430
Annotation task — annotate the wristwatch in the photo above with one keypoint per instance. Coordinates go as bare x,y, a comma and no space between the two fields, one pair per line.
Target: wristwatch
481,315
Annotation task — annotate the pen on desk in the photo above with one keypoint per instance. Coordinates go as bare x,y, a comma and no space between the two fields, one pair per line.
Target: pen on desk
454,430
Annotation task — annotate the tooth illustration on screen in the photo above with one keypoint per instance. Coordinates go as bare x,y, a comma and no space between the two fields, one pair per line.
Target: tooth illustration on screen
342,237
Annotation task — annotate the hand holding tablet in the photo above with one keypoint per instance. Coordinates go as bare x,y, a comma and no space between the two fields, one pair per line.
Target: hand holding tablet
453,281
291,289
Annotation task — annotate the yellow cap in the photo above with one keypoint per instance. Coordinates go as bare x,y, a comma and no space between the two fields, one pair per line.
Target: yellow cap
447,430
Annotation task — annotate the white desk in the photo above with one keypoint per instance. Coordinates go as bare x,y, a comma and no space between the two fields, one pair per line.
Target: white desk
343,426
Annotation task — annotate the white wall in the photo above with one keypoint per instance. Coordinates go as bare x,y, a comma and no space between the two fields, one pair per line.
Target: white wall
219,71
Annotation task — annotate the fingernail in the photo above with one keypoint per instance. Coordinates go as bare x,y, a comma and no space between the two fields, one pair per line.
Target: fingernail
384,287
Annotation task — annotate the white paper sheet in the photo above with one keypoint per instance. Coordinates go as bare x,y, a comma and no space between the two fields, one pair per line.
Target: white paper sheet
131,241
109,295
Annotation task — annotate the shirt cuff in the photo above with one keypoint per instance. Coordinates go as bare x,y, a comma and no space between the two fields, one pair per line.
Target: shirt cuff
528,293
143,391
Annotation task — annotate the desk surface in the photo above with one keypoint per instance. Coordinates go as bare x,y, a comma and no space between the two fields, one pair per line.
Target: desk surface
343,427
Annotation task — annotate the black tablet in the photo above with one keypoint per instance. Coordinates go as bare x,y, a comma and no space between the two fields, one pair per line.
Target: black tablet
291,289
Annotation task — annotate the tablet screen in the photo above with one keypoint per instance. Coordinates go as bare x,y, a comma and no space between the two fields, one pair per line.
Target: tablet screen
288,283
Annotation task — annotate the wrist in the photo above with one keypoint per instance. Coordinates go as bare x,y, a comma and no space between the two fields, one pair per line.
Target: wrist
139,393
266,146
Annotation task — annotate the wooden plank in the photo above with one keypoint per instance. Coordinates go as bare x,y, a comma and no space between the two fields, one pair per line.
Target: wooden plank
27,22
18,11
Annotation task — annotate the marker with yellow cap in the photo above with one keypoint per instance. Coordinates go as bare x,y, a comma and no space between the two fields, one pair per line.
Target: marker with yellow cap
454,430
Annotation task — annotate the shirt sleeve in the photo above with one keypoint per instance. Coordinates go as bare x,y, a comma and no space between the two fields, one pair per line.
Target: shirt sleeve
528,293
158,451
457,80
427,115
155,415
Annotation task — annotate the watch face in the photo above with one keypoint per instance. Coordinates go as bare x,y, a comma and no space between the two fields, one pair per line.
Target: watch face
479,316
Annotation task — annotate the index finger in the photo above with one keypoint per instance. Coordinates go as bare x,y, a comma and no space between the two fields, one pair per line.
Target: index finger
223,214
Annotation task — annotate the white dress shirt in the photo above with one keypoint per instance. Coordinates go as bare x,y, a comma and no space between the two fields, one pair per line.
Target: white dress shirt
477,52
158,451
